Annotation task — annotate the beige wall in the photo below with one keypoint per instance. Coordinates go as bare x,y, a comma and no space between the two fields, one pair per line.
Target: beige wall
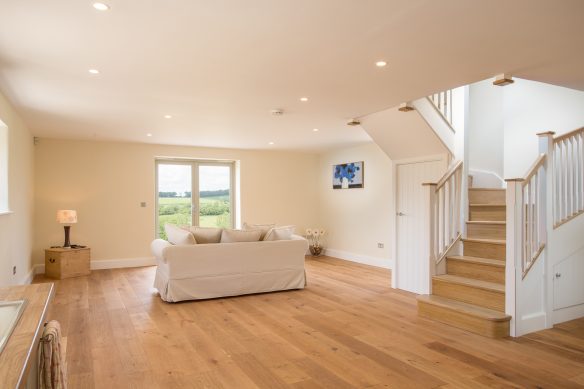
16,235
358,219
106,181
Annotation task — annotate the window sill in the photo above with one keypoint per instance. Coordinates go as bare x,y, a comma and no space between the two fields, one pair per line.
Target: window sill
6,213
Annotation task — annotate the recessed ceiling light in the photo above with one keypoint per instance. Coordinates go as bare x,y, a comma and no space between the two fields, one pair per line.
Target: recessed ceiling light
168,116
304,99
270,143
93,71
315,129
101,6
380,64
149,135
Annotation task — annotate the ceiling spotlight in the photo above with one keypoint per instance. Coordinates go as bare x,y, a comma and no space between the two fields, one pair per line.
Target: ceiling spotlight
93,71
304,99
270,143
101,6
380,64
168,116
315,129
149,135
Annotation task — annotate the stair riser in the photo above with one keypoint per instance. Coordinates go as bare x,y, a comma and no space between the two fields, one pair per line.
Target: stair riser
486,231
485,250
469,294
492,329
478,196
475,271
494,214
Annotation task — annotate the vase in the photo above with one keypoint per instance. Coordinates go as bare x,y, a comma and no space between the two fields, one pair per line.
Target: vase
316,251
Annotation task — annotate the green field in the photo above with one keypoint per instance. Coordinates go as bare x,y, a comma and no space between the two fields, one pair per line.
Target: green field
177,210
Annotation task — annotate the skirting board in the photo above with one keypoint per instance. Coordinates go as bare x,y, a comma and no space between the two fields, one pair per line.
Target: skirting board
364,259
109,264
567,314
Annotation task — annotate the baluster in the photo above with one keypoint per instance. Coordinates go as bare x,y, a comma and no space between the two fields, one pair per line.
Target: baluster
443,243
528,222
556,177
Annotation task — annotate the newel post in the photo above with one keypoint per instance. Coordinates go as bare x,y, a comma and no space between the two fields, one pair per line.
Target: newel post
546,146
514,249
430,207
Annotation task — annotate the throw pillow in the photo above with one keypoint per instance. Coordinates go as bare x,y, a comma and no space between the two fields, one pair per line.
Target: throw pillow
232,236
205,235
280,233
178,236
264,228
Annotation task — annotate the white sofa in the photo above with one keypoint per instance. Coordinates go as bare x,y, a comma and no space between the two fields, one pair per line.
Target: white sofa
202,271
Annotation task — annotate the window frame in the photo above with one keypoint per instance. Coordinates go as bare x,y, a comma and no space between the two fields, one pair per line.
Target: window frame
195,193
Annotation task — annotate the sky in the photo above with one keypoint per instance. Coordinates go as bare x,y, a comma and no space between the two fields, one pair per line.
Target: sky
177,178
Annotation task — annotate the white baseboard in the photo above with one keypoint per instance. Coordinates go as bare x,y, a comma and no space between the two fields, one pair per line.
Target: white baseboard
359,258
567,314
531,323
28,279
101,264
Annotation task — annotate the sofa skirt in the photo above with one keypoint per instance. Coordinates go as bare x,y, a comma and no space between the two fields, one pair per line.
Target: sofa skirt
224,285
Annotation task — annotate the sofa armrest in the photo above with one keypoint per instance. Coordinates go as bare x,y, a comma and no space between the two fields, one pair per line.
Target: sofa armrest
157,247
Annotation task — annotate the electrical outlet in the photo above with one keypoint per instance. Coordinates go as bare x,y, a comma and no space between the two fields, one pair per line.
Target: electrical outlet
13,270
380,245
143,204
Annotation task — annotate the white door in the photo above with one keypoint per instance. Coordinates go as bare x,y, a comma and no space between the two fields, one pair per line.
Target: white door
411,271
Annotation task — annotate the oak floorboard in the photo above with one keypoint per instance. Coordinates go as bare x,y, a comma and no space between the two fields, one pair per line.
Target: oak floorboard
347,329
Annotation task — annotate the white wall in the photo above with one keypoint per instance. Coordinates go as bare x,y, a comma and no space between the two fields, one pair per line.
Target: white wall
529,108
16,232
106,181
485,134
358,219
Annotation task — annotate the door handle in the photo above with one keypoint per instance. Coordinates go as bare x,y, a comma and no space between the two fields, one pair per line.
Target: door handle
401,214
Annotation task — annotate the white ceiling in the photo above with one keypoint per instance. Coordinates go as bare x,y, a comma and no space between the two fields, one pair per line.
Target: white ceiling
220,66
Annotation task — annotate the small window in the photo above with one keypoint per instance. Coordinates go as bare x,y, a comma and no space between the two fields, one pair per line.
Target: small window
3,168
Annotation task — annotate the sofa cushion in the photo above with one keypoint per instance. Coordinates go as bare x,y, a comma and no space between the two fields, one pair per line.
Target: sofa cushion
264,228
232,236
178,236
206,234
280,233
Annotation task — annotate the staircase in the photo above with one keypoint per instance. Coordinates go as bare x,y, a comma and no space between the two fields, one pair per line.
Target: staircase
471,295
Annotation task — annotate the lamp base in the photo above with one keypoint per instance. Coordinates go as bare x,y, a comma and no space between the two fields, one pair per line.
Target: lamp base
67,231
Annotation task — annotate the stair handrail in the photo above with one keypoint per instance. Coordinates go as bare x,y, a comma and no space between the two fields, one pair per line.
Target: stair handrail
568,176
445,207
526,225
442,101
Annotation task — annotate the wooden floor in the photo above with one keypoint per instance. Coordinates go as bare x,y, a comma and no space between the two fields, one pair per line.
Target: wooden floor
347,329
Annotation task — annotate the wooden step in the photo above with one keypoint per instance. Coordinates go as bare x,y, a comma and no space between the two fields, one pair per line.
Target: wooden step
487,212
486,230
486,196
482,293
485,248
482,321
491,270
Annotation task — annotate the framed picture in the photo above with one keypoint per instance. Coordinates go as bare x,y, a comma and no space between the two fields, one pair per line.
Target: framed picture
348,175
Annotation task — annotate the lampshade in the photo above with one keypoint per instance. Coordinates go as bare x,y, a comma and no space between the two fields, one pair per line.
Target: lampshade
67,216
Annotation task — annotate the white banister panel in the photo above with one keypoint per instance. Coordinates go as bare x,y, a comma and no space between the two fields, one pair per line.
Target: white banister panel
443,103
446,212
568,173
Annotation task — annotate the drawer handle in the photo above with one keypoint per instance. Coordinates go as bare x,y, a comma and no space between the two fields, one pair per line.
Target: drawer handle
52,260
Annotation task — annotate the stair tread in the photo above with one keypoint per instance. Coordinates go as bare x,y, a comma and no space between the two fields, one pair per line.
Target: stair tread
469,309
494,189
482,261
501,223
479,240
488,205
492,286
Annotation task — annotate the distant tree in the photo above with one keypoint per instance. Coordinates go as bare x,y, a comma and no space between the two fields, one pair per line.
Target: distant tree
214,193
167,194
188,195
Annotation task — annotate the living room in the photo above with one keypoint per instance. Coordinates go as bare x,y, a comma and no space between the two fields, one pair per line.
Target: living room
97,99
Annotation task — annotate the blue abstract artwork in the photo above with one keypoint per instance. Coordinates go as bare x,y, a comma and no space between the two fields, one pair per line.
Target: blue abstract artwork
348,175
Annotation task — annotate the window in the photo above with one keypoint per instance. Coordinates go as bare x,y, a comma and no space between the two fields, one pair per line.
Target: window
196,193
3,168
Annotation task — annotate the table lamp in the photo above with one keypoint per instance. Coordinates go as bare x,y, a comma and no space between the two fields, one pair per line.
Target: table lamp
67,216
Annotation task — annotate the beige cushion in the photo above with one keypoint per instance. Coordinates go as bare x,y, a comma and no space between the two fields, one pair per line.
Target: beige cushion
206,234
232,236
264,228
280,233
177,235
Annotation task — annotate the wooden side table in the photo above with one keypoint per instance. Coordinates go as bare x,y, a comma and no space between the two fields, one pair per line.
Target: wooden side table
66,263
